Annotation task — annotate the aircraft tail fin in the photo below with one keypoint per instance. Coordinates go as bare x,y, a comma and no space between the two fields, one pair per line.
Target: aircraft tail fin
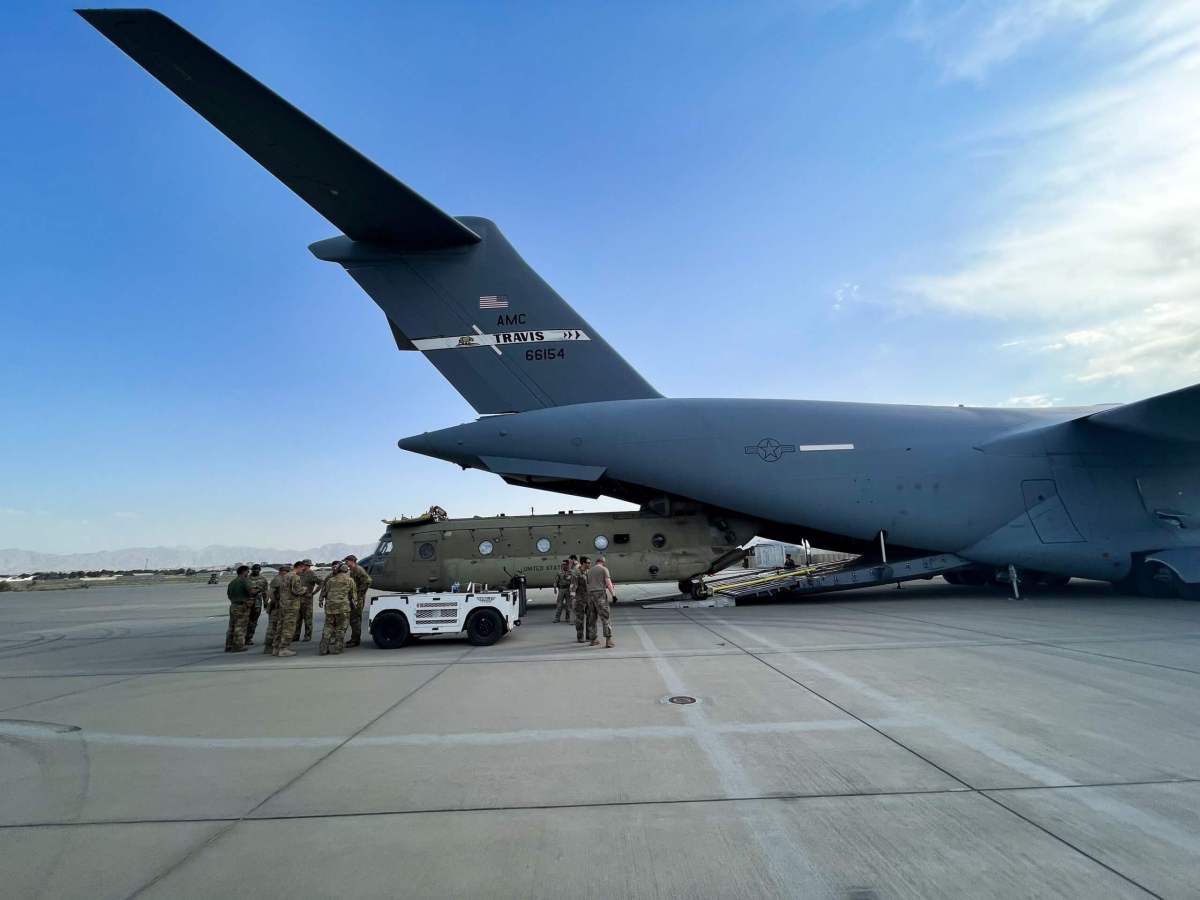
452,288
349,190
499,334
1174,416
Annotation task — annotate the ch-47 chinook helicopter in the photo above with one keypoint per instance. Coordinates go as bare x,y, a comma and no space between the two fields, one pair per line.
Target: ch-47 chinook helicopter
1109,493
434,552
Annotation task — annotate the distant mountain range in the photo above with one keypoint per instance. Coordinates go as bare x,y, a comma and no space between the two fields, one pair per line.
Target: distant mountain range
14,562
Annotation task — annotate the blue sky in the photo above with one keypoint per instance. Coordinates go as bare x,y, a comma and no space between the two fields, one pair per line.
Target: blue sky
981,203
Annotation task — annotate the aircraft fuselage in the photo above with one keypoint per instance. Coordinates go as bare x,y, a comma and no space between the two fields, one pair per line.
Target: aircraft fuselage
993,485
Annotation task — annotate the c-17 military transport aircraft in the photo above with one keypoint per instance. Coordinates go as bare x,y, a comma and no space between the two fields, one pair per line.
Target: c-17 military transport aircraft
1109,493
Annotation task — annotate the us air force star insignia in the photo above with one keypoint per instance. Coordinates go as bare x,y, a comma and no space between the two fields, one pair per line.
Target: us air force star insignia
770,450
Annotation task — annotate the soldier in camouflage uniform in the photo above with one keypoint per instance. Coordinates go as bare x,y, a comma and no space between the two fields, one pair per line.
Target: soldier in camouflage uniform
274,613
336,596
600,591
292,592
320,592
579,575
304,618
563,582
258,596
362,583
325,581
238,593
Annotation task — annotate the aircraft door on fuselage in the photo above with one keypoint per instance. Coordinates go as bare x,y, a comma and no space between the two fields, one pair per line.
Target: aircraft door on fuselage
1047,512
425,558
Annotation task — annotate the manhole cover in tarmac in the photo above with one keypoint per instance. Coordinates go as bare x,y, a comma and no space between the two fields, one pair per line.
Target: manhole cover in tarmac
682,701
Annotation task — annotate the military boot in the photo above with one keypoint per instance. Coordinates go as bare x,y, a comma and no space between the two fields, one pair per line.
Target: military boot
608,644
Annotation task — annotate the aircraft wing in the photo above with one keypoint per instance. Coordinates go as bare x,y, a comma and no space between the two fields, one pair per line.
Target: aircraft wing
349,190
1174,416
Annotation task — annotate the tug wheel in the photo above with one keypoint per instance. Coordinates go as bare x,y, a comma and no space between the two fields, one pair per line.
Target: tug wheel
485,628
390,630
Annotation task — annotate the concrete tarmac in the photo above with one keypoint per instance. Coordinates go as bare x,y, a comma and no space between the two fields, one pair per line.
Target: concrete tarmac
934,741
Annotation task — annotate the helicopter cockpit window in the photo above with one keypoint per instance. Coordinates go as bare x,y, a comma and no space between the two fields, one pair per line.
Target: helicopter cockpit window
384,548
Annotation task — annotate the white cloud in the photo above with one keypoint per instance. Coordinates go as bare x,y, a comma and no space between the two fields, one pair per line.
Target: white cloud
846,292
1036,400
970,38
1102,244
1085,338
1159,344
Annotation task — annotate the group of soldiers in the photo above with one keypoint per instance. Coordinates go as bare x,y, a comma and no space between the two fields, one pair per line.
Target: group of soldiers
288,600
585,588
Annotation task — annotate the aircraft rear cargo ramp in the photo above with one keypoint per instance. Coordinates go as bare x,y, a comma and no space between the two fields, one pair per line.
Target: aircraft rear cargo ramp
827,577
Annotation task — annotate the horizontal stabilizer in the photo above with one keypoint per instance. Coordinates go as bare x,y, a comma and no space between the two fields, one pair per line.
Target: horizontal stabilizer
349,190
1169,417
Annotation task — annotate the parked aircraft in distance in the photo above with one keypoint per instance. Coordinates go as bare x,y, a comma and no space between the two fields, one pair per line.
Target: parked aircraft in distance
1099,492
434,552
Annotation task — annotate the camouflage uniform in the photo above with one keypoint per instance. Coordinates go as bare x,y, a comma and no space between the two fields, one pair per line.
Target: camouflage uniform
238,593
324,584
362,582
274,612
319,592
563,582
597,602
581,600
258,595
304,618
291,594
337,595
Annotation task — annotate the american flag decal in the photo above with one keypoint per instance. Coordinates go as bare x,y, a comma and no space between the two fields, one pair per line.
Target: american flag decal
493,301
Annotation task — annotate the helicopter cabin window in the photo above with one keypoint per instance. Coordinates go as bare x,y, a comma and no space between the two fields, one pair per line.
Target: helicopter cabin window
658,541
384,548
427,551
543,545
601,542
620,539
486,548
